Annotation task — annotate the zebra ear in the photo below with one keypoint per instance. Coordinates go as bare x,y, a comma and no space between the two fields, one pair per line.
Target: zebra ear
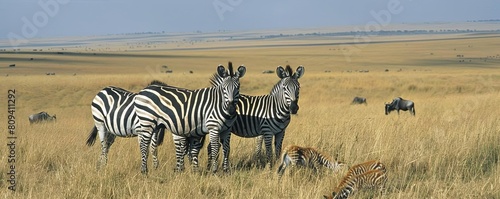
221,71
241,71
280,71
299,72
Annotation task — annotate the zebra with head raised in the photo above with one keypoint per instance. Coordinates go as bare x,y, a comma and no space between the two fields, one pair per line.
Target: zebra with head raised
267,116
191,113
114,115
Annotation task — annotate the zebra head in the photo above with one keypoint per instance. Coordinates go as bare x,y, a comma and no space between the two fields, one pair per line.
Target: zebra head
229,83
289,86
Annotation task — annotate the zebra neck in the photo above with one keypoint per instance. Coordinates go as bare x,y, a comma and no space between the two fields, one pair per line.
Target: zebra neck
324,160
280,102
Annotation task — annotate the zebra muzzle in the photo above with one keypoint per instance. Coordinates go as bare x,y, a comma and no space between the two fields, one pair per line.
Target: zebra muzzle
294,107
231,108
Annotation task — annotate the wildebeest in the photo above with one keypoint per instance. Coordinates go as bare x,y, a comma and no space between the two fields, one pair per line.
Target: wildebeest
359,100
400,104
40,117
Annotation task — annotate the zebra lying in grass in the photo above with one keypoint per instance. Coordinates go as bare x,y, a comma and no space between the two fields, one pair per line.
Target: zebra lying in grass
306,156
371,174
365,167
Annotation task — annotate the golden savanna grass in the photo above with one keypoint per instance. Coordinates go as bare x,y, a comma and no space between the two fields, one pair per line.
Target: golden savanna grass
450,149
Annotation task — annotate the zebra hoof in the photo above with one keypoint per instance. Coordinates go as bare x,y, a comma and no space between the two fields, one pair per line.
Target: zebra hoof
178,170
195,168
144,171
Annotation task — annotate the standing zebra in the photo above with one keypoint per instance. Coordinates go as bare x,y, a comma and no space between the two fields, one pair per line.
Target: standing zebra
114,115
191,113
269,115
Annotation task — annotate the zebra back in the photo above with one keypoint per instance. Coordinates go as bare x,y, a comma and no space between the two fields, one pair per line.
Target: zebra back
306,156
364,167
114,107
182,110
369,179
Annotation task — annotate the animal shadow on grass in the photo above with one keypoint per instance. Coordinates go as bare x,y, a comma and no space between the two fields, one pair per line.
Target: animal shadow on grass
246,164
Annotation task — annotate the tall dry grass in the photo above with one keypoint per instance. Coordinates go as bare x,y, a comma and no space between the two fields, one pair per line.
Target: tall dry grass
450,149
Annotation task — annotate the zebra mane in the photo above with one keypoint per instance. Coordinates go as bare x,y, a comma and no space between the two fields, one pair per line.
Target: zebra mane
121,90
158,83
289,70
230,67
216,80
276,87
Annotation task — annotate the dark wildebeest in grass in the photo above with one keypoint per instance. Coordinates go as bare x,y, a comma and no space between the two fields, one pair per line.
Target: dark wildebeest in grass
359,100
400,104
40,117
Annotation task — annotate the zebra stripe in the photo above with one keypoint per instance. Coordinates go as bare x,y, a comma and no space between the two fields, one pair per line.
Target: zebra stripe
114,115
187,146
269,115
365,167
191,113
349,185
306,156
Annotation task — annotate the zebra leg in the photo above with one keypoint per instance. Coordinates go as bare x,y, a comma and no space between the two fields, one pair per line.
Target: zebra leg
258,146
105,138
209,152
144,141
268,142
180,151
154,149
215,146
285,161
226,139
195,145
278,141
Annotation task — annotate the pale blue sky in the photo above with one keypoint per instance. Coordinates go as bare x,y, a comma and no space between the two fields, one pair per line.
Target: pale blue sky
54,18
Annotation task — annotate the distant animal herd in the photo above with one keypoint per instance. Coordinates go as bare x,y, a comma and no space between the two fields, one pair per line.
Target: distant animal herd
219,111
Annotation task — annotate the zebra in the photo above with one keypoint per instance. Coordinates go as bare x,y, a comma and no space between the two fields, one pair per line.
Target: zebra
370,179
269,115
114,115
191,113
306,156
365,167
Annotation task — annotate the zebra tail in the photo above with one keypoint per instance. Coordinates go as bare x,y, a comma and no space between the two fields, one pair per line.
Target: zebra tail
92,137
202,141
161,135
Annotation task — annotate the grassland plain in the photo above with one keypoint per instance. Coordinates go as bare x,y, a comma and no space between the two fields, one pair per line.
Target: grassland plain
450,149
